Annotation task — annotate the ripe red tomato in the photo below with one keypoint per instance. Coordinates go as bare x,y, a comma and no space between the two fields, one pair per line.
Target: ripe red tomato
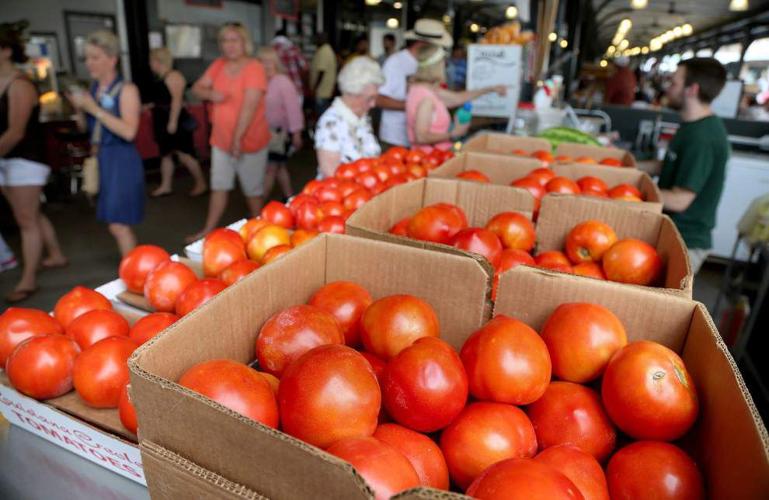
546,157
514,230
292,332
302,236
625,192
589,184
150,325
473,175
328,394
266,238
541,175
346,301
126,411
570,413
482,435
382,172
312,186
17,324
41,366
425,456
220,253
166,283
415,156
279,214
580,467
563,159
651,469
393,323
589,240
553,259
364,164
95,325
138,263
479,241
648,393
396,180
530,184
523,479
632,261
275,252
401,227
368,180
438,223
612,162
356,199
347,187
582,338
101,371
397,153
383,467
332,208
78,301
585,159
562,185
510,258
299,199
333,224
507,362
237,271
328,193
416,170
224,233
590,269
198,294
308,214
345,171
425,386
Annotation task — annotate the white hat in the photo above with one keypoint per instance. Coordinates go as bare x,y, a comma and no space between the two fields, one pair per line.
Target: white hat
430,31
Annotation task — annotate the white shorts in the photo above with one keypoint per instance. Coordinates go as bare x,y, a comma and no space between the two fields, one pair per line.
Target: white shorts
250,168
22,172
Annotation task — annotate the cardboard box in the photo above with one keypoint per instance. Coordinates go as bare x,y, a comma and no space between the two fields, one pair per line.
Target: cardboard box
729,441
498,143
194,251
242,450
613,176
500,169
560,213
597,153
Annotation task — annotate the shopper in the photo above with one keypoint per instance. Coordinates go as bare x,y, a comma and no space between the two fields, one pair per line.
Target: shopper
22,173
323,73
111,112
284,115
621,86
692,173
397,68
344,133
388,48
172,124
293,60
428,120
235,85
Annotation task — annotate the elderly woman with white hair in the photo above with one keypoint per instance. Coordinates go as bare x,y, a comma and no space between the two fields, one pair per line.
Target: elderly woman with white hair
344,132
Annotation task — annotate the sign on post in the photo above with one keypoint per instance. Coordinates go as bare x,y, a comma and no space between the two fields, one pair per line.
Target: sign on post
489,65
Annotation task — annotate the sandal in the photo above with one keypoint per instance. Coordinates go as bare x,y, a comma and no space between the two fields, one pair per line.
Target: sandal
20,295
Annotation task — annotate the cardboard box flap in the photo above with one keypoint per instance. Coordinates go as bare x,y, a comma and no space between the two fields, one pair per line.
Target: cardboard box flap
672,249
498,168
596,152
480,202
429,494
494,142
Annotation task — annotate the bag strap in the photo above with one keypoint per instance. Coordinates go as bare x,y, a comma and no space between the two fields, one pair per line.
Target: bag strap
96,132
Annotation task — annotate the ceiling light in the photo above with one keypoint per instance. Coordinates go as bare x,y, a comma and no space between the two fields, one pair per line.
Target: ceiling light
552,36
373,2
511,12
603,63
644,50
678,31
446,18
611,49
625,25
563,43
655,44
623,45
397,5
737,5
392,23
474,28
617,38
639,4
687,29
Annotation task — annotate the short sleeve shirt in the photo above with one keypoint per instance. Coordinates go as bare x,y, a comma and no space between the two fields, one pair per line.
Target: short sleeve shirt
441,119
334,133
397,68
324,61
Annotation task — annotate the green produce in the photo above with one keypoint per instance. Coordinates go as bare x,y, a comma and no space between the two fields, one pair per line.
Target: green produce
557,135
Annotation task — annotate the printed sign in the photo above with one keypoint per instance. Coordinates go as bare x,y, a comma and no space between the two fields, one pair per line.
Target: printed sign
489,65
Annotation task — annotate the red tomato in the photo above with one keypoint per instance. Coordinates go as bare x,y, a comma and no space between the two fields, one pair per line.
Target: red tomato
96,325
507,362
347,187
299,199
415,156
612,162
589,184
78,301
648,393
523,479
544,156
41,366
327,193
510,258
397,153
570,413
514,230
482,435
292,332
251,227
346,301
425,456
563,159
345,171
653,470
625,191
562,185
590,269
237,271
101,371
438,223
632,261
386,470
396,180
401,227
17,324
225,234
275,252
150,325
479,241
393,323
328,394
332,208
417,170
382,172
553,259
126,411
308,214
138,263
312,186
234,386
273,381
532,185
268,237
473,175
519,152
581,468
368,180
542,175
589,240
166,283
364,164
377,364
585,159
356,199
333,224
302,236
220,253
279,214
198,294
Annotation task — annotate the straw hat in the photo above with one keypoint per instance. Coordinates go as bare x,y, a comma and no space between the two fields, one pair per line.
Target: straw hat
430,31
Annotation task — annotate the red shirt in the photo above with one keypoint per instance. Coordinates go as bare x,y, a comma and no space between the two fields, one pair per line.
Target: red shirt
620,88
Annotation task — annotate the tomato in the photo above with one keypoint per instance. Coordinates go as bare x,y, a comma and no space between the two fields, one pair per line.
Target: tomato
418,171
393,323
653,470
220,253
532,185
479,241
346,301
298,200
473,175
523,479
507,362
308,214
267,237
345,171
17,324
279,214
580,467
198,294
543,156
401,227
385,469
589,184
396,180
328,394
562,185
292,332
585,159
234,386
95,325
126,411
397,153
302,236
138,263
553,259
364,164
377,364
368,180
382,172
425,456
41,366
438,223
101,371
541,175
272,380
514,230
415,156
589,269
625,191
356,199
237,271
519,152
510,258
333,224
275,252
78,301
482,435
632,261
563,159
648,393
570,413
250,228
612,162
166,283
311,187
332,208
150,325
425,386
346,188
582,338
224,233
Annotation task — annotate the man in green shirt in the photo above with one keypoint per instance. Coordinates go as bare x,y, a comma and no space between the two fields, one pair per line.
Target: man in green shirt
691,177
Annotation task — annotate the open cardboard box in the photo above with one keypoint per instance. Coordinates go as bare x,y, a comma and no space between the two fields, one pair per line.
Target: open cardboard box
613,176
505,144
560,213
597,153
138,302
242,450
500,169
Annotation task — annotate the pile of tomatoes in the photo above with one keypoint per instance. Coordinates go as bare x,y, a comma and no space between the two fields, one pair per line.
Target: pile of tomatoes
547,158
514,414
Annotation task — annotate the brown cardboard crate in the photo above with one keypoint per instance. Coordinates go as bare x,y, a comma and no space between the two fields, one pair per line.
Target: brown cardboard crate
597,153
242,450
498,143
729,441
559,214
500,169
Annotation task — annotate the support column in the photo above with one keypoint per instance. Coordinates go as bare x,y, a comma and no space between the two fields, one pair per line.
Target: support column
134,13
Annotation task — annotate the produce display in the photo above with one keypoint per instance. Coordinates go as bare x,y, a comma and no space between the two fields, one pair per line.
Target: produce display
557,135
547,158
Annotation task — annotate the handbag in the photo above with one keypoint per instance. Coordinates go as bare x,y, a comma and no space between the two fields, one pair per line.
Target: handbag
90,184
278,141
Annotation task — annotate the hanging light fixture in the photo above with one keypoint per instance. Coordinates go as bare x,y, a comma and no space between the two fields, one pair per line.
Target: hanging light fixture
552,36
687,29
511,12
563,43
397,5
603,63
474,28
392,23
639,4
373,2
738,5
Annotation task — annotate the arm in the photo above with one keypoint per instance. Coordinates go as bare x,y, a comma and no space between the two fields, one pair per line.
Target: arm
295,115
203,88
328,161
454,99
384,102
250,100
175,83
677,199
21,100
124,126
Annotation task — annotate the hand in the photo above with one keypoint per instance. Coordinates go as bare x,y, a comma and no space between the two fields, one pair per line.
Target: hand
216,96
460,129
82,101
235,149
172,127
296,140
500,89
